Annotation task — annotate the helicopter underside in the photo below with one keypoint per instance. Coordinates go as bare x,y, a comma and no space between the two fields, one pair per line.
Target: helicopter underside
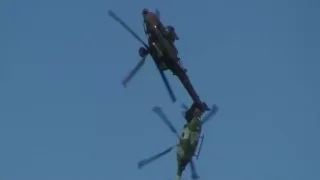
162,65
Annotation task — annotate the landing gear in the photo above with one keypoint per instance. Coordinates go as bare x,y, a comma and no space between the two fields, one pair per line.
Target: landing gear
143,52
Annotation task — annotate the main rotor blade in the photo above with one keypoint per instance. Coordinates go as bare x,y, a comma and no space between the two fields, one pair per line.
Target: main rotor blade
213,111
194,174
183,113
154,157
133,72
167,85
163,117
115,17
184,106
158,13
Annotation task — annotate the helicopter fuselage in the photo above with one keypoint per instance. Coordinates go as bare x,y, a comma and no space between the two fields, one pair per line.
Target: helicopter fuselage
158,35
166,56
159,55
188,144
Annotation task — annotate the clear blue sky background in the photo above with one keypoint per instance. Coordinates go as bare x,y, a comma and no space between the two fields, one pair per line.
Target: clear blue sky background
65,115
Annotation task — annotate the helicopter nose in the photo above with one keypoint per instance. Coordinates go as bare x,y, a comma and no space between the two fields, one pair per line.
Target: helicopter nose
145,11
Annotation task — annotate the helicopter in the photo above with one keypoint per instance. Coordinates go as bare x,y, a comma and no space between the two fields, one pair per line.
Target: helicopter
188,141
163,51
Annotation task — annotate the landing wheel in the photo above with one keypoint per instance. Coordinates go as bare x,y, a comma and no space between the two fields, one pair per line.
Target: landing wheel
142,52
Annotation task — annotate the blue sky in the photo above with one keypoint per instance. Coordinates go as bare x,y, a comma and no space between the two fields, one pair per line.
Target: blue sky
65,115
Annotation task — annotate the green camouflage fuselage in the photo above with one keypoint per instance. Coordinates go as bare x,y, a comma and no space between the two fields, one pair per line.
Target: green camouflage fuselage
188,143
